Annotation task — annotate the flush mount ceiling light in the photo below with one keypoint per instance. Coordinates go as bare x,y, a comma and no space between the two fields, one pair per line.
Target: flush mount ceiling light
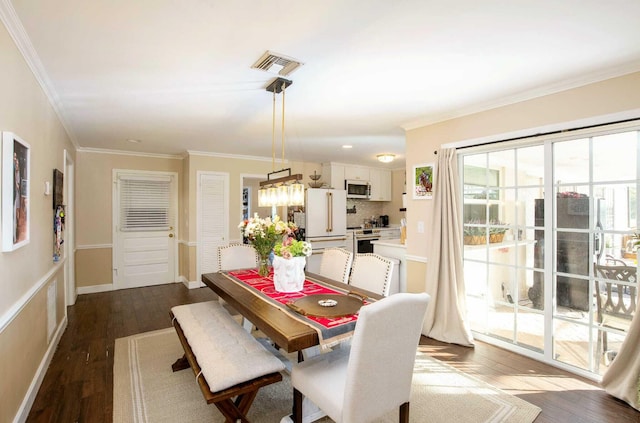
276,63
386,157
286,190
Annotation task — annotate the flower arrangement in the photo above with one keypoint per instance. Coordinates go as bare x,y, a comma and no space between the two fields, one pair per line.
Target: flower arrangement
288,264
290,247
263,234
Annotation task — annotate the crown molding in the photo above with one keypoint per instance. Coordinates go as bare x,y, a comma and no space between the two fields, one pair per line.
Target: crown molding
230,156
23,42
129,153
549,89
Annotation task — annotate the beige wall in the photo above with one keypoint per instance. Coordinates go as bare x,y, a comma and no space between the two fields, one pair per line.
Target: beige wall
28,271
94,225
600,102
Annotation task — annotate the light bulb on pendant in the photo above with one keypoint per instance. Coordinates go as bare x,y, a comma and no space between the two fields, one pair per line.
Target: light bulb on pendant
296,194
263,197
283,195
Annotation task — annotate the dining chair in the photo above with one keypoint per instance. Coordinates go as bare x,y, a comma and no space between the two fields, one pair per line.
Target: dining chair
237,256
336,264
371,272
371,378
616,296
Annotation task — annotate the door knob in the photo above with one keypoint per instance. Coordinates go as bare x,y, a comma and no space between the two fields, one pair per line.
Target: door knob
170,235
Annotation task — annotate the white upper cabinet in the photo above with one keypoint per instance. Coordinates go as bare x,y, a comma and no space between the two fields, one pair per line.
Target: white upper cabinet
380,180
357,173
333,175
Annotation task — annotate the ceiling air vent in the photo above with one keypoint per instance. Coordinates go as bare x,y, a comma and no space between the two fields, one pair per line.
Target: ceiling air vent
276,64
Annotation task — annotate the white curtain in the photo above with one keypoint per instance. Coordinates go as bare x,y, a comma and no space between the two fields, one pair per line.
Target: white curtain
446,314
622,379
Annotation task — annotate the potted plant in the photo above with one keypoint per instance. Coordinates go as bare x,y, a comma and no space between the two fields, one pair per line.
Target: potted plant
497,230
474,233
288,264
263,234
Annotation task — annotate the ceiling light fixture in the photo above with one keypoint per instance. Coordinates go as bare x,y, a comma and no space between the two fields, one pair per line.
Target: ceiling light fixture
386,157
286,190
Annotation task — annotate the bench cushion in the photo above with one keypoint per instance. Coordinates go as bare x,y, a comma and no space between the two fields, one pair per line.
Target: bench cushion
226,353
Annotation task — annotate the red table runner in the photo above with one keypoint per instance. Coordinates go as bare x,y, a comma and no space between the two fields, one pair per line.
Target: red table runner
330,329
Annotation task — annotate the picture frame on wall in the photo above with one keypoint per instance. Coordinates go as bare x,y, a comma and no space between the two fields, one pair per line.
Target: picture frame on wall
16,167
423,181
58,184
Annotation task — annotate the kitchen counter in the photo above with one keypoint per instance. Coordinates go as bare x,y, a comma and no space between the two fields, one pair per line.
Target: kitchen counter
390,243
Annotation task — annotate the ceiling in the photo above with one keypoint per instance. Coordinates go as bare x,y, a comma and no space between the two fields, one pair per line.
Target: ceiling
176,74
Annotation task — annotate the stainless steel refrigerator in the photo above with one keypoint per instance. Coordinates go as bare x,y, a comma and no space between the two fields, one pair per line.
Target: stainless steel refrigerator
325,222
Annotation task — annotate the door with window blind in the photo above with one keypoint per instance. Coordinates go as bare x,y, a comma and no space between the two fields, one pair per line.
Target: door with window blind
145,206
213,225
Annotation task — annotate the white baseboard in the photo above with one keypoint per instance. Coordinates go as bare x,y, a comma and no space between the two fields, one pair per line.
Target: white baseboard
94,289
32,392
190,284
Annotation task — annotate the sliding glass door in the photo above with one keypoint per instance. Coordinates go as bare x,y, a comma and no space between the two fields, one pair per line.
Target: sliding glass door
540,219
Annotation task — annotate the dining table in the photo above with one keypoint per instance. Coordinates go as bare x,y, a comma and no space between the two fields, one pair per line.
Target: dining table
288,328
284,327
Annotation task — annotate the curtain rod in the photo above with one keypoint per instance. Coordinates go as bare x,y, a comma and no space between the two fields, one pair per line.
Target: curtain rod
541,134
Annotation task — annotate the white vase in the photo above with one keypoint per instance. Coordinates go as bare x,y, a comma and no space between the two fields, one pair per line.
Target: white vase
288,274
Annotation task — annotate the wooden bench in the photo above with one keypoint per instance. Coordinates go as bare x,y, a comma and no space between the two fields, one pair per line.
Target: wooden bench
227,361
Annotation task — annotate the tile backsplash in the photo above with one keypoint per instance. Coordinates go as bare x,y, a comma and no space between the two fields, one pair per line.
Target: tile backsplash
364,210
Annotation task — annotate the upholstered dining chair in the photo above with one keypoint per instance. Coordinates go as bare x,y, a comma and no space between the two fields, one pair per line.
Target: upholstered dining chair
336,264
371,272
371,378
237,256
616,296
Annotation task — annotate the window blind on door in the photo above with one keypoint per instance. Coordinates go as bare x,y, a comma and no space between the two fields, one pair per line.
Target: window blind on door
145,203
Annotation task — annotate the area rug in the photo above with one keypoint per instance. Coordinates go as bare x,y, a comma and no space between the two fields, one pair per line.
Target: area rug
145,390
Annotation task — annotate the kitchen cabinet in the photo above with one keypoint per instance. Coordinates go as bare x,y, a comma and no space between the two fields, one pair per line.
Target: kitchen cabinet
333,175
380,181
357,173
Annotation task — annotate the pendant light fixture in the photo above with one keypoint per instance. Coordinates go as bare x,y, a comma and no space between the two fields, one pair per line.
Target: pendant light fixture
287,190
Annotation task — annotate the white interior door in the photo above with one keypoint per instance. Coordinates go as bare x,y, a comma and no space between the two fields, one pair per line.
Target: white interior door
145,213
213,225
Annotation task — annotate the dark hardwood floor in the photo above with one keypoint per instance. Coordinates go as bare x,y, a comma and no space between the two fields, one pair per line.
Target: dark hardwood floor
78,386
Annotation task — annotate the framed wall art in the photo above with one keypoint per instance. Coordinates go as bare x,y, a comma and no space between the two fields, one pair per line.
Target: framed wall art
58,184
423,181
15,191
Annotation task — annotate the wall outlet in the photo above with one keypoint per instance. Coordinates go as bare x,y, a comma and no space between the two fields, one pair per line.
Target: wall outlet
421,227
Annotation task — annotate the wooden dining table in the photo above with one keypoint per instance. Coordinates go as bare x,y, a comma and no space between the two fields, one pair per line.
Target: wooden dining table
287,332
284,329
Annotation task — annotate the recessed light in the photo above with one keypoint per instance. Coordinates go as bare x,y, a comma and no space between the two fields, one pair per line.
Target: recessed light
347,146
134,141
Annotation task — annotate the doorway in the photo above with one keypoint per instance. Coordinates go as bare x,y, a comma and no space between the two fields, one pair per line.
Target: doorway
538,216
69,247
144,227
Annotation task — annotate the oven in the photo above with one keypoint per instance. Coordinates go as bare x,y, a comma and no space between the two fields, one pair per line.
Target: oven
362,240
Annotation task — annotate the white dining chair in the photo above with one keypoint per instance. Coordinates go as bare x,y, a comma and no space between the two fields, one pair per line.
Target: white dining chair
237,256
336,264
371,272
362,383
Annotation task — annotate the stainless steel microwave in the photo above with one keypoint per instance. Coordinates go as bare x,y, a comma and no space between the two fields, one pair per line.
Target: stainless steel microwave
357,189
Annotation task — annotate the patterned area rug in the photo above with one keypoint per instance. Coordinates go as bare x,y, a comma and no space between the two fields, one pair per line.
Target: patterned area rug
146,390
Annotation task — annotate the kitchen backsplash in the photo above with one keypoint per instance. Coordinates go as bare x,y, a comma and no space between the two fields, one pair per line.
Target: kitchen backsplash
364,210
